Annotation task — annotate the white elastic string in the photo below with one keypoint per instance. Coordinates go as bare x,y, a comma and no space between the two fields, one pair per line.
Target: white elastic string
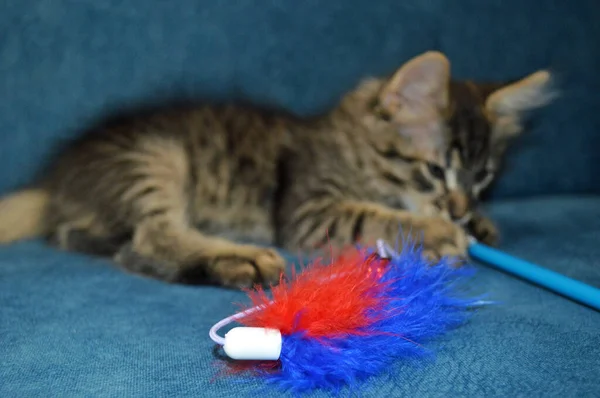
384,250
223,322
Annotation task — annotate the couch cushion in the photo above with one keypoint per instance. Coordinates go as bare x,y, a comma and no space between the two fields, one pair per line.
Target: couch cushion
74,326
64,63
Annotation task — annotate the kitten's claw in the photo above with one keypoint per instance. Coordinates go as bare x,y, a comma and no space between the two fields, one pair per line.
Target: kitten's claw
442,238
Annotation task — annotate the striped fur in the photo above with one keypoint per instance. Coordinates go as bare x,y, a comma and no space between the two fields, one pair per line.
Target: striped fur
168,194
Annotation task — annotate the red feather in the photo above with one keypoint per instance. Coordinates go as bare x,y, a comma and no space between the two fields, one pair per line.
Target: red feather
324,300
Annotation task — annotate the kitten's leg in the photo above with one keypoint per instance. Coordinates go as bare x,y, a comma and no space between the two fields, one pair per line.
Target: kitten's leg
346,222
168,250
483,229
174,253
166,246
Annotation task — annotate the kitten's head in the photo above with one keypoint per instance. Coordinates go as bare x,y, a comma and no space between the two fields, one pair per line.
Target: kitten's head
445,139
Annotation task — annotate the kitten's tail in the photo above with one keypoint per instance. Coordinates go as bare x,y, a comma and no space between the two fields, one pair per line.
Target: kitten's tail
23,215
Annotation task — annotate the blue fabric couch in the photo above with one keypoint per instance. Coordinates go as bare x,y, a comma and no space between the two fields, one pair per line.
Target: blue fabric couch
72,326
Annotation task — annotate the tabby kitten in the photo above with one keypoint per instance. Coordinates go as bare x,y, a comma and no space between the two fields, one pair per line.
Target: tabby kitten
167,194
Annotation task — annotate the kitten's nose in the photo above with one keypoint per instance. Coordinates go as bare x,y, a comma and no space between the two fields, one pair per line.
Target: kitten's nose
458,205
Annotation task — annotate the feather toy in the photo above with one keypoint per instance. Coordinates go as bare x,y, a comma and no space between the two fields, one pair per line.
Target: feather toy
335,325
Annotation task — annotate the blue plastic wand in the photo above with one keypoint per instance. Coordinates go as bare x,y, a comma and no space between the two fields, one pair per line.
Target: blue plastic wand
544,277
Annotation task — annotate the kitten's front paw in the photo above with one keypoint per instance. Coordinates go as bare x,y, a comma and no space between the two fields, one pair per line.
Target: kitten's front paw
248,266
484,230
441,238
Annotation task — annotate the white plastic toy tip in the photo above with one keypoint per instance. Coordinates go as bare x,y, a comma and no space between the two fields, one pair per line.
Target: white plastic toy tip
258,344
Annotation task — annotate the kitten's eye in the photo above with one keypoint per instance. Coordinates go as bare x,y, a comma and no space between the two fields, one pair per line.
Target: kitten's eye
436,171
383,115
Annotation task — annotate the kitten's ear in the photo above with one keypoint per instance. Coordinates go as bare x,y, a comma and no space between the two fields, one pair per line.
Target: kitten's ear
507,105
513,100
419,88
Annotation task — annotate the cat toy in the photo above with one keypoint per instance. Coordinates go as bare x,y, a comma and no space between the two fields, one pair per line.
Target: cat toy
335,325
554,281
